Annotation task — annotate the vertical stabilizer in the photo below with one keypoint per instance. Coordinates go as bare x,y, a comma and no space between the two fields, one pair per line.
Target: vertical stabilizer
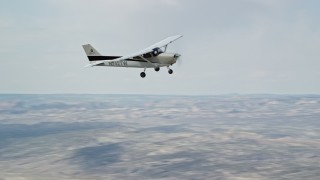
90,51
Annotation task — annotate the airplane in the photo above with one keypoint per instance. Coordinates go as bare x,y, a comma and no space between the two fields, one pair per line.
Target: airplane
154,56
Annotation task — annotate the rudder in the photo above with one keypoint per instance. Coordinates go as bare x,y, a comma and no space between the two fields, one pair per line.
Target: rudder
90,51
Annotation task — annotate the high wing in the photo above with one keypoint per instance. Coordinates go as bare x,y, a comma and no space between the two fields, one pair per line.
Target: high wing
150,49
163,43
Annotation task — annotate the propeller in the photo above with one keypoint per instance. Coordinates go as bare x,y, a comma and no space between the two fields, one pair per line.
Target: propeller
176,56
178,60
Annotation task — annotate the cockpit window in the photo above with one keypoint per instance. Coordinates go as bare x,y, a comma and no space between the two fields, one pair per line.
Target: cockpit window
148,55
159,50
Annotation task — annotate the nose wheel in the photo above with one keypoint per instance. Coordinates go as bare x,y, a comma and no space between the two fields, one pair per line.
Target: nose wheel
170,71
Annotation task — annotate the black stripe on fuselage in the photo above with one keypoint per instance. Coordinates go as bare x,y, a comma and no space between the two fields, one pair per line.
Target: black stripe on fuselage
102,58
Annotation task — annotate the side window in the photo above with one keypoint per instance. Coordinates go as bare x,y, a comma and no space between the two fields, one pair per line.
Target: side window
148,55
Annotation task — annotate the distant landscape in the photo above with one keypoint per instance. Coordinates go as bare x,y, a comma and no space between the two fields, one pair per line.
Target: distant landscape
159,137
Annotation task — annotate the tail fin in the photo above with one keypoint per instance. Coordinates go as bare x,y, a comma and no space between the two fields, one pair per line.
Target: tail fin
94,55
90,51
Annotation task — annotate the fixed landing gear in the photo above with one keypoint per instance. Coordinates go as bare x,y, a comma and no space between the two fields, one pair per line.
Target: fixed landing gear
143,74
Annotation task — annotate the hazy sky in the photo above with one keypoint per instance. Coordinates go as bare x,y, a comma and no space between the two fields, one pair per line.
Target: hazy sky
229,46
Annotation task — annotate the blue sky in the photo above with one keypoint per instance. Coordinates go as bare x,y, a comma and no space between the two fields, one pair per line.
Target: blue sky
231,46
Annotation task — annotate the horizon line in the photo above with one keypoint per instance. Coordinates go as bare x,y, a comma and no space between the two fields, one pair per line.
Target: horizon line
136,94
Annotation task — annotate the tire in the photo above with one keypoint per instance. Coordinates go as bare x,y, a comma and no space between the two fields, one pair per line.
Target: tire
143,74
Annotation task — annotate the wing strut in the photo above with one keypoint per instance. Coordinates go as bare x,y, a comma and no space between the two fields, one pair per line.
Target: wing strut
165,48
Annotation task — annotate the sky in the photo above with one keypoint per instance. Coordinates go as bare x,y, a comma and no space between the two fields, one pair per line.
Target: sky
229,46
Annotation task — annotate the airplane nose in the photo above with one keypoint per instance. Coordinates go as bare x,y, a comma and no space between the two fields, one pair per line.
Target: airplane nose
176,56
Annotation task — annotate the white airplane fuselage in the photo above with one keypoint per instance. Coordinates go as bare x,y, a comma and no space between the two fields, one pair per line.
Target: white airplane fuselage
161,60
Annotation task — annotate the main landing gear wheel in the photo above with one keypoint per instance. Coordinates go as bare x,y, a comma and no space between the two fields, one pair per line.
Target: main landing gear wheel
157,69
170,71
143,74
